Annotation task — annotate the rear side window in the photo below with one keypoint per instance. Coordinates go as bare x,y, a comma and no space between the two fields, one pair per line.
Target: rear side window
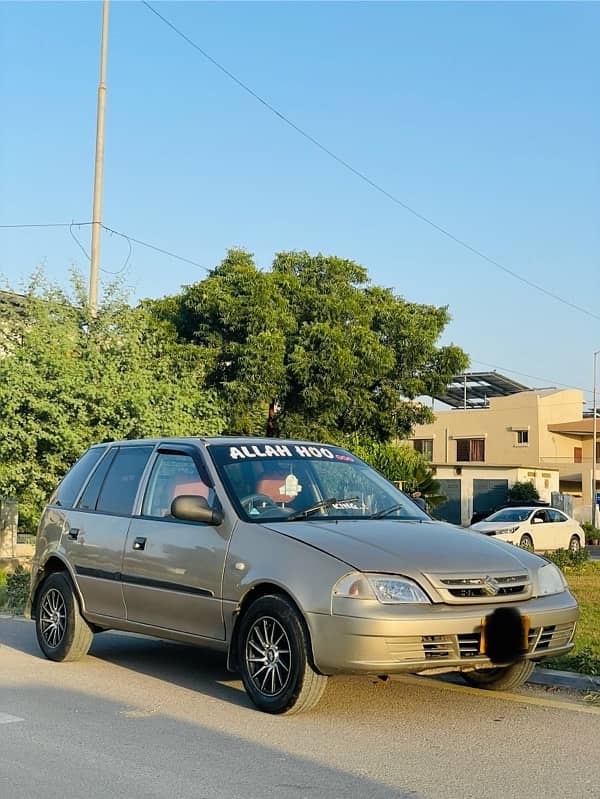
71,483
121,484
89,497
556,516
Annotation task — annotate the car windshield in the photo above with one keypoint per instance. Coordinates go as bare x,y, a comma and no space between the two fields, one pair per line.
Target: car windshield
509,515
294,481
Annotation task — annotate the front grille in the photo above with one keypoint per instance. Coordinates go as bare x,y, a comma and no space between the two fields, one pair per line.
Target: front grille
469,644
480,592
465,646
477,588
551,636
438,647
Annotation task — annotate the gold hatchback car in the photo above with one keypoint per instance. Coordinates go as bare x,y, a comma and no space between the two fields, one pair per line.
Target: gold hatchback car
294,558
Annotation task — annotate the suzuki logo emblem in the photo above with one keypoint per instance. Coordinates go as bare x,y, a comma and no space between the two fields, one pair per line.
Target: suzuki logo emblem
490,586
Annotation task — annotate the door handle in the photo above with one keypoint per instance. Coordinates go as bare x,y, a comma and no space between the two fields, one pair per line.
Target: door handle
73,533
139,543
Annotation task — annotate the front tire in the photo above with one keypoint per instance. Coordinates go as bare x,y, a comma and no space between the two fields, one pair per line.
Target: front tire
503,678
62,632
274,658
526,542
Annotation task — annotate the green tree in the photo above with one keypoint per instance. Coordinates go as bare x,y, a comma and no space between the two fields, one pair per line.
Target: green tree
400,462
334,354
523,492
68,380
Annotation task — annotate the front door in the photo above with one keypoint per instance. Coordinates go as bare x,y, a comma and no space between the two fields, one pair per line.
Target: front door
172,569
98,528
542,530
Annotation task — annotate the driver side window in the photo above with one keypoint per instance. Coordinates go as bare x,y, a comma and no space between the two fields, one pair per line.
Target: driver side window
174,475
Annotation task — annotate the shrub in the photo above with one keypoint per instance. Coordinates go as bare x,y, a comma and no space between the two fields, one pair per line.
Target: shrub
584,661
591,533
523,492
565,559
17,589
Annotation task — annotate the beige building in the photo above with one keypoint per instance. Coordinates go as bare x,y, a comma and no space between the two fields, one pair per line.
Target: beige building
500,432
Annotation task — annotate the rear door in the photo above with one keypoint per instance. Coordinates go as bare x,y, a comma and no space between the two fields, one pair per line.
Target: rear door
542,530
98,528
561,530
172,569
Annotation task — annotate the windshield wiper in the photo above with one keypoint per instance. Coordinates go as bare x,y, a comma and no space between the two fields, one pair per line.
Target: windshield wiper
386,511
324,503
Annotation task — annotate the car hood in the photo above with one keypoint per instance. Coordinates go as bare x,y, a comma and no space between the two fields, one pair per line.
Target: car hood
400,547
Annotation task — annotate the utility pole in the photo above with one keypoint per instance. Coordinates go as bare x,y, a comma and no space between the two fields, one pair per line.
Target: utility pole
97,209
594,432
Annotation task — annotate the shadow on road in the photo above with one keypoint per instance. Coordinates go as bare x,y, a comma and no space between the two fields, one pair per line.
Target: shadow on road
200,670
73,744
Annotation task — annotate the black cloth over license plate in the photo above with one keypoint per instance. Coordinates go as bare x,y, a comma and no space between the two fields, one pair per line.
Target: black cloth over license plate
504,635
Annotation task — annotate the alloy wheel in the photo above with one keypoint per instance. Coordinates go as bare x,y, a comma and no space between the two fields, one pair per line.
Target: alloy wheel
268,656
53,617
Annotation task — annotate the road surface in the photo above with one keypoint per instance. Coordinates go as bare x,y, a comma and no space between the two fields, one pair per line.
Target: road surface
143,718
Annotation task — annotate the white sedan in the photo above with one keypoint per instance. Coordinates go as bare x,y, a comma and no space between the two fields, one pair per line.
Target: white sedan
532,528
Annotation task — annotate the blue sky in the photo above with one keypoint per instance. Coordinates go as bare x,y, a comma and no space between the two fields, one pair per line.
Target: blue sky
484,117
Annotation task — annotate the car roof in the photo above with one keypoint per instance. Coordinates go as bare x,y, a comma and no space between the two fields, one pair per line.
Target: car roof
211,441
529,508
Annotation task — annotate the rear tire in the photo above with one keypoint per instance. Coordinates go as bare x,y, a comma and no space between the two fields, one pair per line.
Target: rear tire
574,544
62,632
274,658
503,678
526,542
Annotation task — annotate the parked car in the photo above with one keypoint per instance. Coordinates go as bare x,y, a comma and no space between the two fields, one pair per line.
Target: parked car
534,528
296,559
480,516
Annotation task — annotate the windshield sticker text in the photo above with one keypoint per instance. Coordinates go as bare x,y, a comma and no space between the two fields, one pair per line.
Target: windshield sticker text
279,451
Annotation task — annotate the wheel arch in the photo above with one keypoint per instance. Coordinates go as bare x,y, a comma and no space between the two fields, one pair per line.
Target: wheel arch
257,591
54,564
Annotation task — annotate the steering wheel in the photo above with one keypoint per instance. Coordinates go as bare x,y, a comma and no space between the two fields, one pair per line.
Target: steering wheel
262,500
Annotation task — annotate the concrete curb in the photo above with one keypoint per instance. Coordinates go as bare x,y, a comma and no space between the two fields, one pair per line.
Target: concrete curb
565,679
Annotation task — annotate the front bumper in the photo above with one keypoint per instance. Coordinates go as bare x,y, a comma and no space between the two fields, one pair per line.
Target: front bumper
432,636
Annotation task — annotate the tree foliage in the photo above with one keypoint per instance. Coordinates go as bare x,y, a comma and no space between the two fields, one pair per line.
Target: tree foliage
400,462
68,380
523,492
335,354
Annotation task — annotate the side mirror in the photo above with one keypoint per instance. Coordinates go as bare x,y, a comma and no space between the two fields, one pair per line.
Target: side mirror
537,520
192,508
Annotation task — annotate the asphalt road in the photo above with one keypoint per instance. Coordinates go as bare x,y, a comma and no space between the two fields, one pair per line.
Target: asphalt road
142,718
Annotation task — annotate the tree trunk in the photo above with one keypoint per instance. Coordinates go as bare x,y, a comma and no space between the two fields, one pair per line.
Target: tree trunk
8,528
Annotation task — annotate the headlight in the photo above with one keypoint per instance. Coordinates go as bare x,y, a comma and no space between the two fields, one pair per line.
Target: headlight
386,588
507,530
550,580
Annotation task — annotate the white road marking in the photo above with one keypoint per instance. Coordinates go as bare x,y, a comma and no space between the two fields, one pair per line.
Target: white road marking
6,719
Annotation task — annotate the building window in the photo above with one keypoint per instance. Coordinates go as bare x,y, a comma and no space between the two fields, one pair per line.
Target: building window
597,451
577,453
522,438
470,449
424,446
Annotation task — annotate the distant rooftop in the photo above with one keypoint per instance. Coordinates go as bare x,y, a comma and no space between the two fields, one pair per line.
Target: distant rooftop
475,389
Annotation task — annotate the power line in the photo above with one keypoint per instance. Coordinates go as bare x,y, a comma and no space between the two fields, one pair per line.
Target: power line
361,175
45,224
126,236
157,249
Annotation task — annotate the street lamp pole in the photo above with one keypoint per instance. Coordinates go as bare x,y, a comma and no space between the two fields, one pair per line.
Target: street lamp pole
594,432
97,209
